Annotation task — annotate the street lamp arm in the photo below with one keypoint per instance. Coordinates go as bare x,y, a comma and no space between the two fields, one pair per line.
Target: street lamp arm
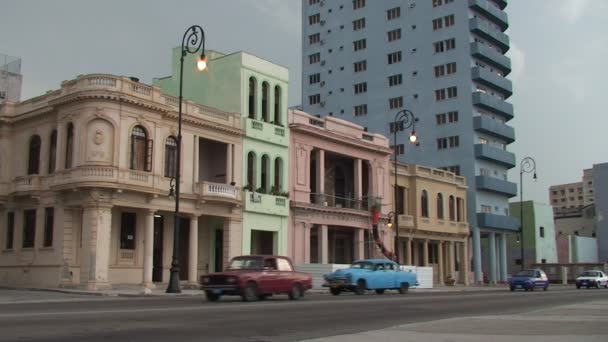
193,40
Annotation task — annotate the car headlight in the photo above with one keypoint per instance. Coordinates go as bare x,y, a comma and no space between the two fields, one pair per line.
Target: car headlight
205,280
231,280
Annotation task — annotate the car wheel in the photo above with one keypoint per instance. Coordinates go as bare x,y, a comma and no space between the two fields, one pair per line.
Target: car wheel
588,286
527,289
263,296
545,288
597,285
212,297
360,289
296,292
250,292
404,288
380,291
512,288
335,291
532,288
578,287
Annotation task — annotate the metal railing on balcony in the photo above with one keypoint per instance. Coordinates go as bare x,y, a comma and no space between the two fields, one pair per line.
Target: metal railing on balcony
332,201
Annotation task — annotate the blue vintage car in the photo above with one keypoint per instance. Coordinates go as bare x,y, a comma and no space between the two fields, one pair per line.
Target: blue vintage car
370,274
529,280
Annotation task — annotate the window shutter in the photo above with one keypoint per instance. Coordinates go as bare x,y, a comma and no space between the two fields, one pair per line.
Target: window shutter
149,152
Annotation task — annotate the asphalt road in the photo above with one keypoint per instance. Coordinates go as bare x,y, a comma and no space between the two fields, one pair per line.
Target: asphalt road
277,319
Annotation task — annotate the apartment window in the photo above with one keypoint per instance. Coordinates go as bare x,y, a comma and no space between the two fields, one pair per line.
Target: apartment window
454,141
451,68
394,35
486,209
128,223
394,57
437,3
360,66
398,149
438,47
29,228
452,92
314,99
69,146
314,58
395,102
441,118
453,116
542,232
314,38
314,19
10,230
450,44
2,95
312,2
358,4
360,88
424,204
53,151
141,150
393,13
359,24
33,166
437,24
483,141
361,110
395,80
49,216
170,157
449,20
359,44
395,126
439,94
314,78
442,143
439,70
454,169
440,206
485,172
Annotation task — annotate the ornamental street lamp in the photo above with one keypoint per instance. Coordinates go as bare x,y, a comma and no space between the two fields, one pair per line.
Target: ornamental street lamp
527,165
404,119
192,42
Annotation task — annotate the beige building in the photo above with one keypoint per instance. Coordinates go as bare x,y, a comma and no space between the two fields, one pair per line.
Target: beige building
433,227
568,199
85,174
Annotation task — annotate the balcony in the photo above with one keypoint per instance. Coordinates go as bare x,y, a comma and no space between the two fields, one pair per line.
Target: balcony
493,13
492,57
266,204
493,80
218,192
27,183
496,185
266,131
496,155
406,221
493,104
486,31
493,221
501,3
494,128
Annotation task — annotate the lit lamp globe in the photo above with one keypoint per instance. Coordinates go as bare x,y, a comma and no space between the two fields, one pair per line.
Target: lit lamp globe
413,138
201,63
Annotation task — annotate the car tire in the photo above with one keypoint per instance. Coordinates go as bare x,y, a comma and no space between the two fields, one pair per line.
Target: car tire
380,291
527,289
578,287
404,288
588,286
532,288
250,292
512,288
335,291
296,292
212,297
360,288
546,288
597,285
263,296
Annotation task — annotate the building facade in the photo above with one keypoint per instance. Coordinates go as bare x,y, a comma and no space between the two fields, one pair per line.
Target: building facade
445,61
10,78
600,182
257,90
539,240
568,199
433,228
338,173
84,201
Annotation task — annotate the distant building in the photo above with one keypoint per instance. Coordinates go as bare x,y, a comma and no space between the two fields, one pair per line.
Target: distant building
539,236
600,181
569,198
10,78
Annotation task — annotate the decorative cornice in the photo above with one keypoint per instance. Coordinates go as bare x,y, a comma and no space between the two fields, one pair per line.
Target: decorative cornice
342,139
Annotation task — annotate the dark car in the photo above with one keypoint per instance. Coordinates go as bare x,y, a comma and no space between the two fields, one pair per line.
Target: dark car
529,280
256,277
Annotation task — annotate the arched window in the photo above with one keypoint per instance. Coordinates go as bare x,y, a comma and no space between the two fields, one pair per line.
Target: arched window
33,166
277,105
251,169
440,206
53,151
460,209
265,173
171,157
278,174
69,146
252,91
265,102
424,204
452,209
141,150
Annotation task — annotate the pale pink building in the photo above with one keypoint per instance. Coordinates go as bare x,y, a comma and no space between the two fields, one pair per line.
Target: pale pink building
338,172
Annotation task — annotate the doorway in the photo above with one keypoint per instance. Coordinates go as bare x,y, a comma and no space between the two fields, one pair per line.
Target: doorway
184,247
218,249
157,254
262,242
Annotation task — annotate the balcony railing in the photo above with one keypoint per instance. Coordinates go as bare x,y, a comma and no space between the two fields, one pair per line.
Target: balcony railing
332,201
486,31
492,57
493,104
494,221
492,127
266,131
496,185
210,189
492,12
406,221
494,154
493,80
266,203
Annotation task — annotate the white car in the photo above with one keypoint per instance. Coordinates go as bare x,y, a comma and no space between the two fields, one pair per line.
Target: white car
592,279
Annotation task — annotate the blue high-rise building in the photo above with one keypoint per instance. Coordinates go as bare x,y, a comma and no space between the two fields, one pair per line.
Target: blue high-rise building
445,61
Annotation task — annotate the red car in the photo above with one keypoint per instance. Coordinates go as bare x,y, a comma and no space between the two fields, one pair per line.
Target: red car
256,277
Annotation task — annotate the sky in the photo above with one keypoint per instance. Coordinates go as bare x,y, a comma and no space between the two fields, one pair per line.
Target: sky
558,52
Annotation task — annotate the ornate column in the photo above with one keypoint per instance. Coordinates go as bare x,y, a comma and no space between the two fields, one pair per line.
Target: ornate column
408,255
193,252
96,233
440,261
451,257
425,261
61,141
233,239
465,261
359,243
229,161
307,227
320,190
148,249
477,255
195,161
323,244
358,183
503,257
492,256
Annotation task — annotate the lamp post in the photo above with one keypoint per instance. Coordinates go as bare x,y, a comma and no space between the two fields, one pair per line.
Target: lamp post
527,165
192,42
404,119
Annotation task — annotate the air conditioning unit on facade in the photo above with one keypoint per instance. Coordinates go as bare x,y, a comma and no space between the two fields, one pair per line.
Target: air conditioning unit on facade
322,22
322,62
322,104
322,41
322,83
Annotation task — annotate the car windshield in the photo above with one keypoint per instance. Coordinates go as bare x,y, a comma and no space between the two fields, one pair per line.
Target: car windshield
363,265
247,263
525,273
589,274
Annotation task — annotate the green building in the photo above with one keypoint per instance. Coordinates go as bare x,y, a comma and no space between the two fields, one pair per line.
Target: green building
257,89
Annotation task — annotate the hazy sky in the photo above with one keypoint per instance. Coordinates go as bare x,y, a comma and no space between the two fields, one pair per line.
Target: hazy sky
559,50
